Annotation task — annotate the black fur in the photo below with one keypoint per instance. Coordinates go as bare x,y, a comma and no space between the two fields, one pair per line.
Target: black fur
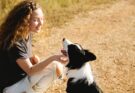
82,86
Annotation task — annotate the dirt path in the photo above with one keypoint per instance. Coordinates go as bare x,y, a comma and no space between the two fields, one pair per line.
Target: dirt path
110,33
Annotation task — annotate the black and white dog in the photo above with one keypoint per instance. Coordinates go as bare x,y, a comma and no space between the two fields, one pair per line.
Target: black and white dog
80,78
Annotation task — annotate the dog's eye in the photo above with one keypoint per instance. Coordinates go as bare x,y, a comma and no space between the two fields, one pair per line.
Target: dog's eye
83,52
80,47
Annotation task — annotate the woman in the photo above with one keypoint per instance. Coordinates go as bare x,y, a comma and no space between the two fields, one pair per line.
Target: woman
20,71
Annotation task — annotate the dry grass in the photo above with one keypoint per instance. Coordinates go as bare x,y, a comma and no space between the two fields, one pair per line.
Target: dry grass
60,11
57,12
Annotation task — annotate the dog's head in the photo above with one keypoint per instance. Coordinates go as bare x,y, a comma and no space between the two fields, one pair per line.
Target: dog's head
76,54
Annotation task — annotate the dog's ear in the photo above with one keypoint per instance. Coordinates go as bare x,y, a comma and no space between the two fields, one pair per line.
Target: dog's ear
89,56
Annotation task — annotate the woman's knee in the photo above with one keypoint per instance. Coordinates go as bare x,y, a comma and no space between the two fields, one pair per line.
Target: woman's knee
59,69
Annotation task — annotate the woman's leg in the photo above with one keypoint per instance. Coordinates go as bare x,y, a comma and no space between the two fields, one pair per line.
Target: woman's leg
19,87
51,73
39,82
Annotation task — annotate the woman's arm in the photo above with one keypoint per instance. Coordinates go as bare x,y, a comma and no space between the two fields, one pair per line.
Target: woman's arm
31,69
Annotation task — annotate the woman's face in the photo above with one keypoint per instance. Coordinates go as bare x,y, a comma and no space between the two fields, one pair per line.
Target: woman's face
36,20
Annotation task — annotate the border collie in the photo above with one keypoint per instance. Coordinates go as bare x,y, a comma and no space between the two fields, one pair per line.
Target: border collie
80,78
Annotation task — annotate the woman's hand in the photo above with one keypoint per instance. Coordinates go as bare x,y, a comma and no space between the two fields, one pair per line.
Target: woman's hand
61,58
64,52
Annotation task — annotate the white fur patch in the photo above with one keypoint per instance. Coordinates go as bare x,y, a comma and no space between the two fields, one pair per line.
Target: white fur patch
66,42
84,72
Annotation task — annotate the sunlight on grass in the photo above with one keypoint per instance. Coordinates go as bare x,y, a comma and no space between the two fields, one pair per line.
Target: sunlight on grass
57,12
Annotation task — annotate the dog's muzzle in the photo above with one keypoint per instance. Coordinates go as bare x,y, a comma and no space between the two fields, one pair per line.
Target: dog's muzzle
66,42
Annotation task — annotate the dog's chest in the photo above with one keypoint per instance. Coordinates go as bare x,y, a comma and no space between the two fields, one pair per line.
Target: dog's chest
83,72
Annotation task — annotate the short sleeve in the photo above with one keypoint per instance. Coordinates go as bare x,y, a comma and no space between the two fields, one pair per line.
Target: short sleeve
19,50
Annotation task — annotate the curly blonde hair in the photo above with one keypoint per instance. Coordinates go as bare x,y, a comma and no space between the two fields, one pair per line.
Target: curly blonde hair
16,25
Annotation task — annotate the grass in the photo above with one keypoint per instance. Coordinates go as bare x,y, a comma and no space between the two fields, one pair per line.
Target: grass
57,12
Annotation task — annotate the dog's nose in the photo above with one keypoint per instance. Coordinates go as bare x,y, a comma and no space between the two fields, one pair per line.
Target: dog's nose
63,39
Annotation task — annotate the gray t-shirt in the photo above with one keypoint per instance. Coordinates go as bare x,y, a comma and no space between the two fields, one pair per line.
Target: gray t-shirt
10,72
